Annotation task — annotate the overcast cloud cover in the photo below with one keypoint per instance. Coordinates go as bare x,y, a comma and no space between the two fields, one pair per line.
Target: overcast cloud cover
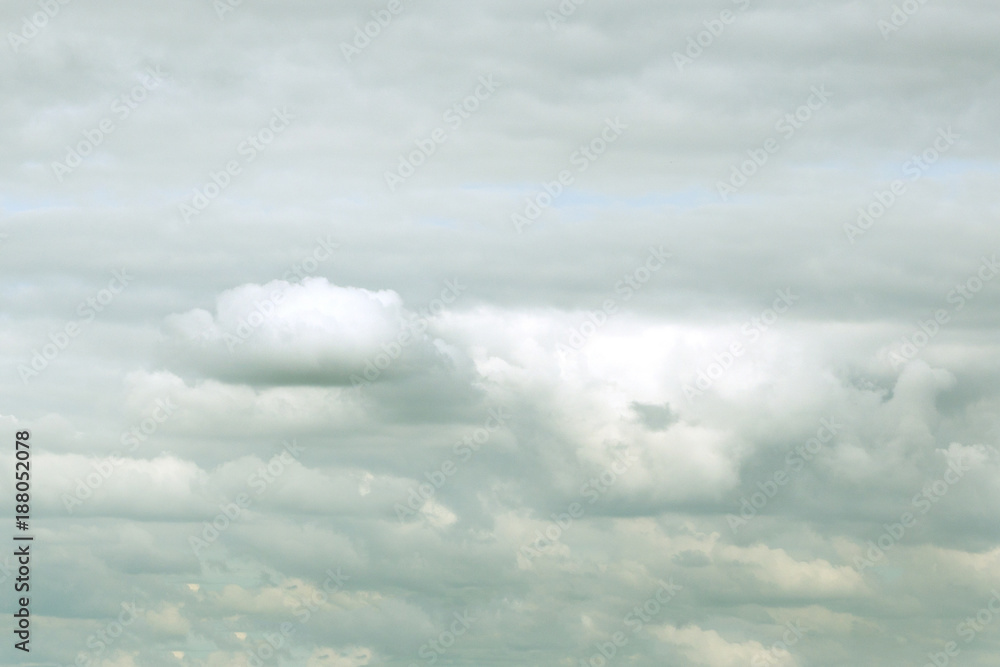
679,347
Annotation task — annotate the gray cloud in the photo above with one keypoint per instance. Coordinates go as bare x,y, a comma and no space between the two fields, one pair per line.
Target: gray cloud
274,315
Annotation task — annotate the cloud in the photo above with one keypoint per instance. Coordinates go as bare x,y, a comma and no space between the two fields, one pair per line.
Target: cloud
280,333
308,305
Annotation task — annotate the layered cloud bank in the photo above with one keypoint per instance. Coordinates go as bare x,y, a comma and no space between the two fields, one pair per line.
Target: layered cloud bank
505,334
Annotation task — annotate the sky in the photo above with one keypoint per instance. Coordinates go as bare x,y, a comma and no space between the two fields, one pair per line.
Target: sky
534,333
